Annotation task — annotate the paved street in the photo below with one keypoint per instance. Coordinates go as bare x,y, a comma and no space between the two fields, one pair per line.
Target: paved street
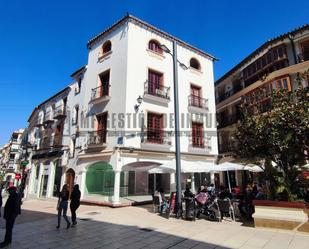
137,227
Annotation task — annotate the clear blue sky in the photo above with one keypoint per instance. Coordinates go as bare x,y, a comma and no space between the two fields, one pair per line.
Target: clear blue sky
43,42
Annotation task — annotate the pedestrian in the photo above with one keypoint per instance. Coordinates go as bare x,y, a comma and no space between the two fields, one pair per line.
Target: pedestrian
11,210
63,206
75,202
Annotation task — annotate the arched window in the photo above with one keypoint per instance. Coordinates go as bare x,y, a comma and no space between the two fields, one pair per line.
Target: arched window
155,46
194,63
107,46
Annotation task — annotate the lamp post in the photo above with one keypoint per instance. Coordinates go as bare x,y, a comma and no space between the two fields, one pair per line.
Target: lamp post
177,134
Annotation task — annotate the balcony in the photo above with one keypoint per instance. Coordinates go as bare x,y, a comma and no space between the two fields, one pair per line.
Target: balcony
45,143
97,138
39,122
48,118
100,94
156,139
199,144
198,103
60,112
228,120
57,141
303,56
157,93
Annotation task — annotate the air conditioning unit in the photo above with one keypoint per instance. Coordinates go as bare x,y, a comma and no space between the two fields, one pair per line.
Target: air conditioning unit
159,92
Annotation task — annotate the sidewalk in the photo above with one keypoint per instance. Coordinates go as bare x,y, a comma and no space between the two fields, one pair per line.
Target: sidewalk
137,227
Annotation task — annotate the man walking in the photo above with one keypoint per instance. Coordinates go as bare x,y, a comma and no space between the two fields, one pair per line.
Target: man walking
11,210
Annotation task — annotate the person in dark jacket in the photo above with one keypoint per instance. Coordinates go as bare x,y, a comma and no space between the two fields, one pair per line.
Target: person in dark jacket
63,205
75,202
11,210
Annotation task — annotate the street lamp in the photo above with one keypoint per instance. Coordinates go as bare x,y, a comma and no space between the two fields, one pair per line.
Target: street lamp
176,110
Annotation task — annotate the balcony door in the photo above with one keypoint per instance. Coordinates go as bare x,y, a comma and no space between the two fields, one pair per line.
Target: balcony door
305,50
155,82
104,83
196,95
155,128
197,135
102,127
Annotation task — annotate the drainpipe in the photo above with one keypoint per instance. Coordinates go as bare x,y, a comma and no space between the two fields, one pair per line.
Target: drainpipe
293,49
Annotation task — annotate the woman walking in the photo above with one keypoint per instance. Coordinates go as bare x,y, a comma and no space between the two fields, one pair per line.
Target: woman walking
75,202
63,206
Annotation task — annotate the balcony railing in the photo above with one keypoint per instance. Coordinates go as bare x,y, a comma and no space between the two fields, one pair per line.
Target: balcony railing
157,136
197,101
45,143
156,90
228,120
100,91
199,142
303,56
97,137
57,140
59,112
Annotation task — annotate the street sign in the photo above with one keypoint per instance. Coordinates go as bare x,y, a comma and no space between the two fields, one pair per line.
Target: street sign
17,176
24,163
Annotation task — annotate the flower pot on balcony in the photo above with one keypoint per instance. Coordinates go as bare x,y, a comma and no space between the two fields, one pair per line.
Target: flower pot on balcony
280,214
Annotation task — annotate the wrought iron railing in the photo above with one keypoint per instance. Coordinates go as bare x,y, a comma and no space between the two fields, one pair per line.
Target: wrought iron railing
97,137
197,141
45,142
228,120
100,91
57,140
197,101
156,90
158,136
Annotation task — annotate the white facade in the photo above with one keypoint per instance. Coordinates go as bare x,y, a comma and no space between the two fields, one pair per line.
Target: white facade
126,67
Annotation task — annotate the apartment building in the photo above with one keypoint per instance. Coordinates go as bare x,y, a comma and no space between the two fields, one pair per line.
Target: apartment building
11,155
271,67
122,114
48,126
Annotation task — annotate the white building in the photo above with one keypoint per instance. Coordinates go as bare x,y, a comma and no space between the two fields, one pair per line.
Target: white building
112,141
11,155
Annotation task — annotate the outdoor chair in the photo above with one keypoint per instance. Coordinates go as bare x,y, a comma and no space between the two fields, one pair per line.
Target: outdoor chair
226,209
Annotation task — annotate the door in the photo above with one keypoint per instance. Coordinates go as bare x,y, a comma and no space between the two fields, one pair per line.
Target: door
197,135
102,127
104,81
155,81
57,182
196,96
44,185
154,128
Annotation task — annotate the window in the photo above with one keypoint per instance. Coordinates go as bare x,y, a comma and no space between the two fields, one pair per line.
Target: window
79,84
102,128
107,47
194,63
104,84
197,135
155,46
155,83
196,96
155,128
75,115
12,157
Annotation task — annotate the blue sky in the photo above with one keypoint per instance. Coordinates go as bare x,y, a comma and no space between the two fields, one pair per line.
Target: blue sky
43,42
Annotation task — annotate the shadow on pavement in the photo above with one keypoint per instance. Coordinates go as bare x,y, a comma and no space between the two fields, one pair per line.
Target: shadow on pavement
38,230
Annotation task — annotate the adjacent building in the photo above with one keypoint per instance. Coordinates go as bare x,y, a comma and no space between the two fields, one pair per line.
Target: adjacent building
115,121
272,66
11,155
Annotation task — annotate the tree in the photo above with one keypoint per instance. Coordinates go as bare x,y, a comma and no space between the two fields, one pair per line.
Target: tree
279,135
